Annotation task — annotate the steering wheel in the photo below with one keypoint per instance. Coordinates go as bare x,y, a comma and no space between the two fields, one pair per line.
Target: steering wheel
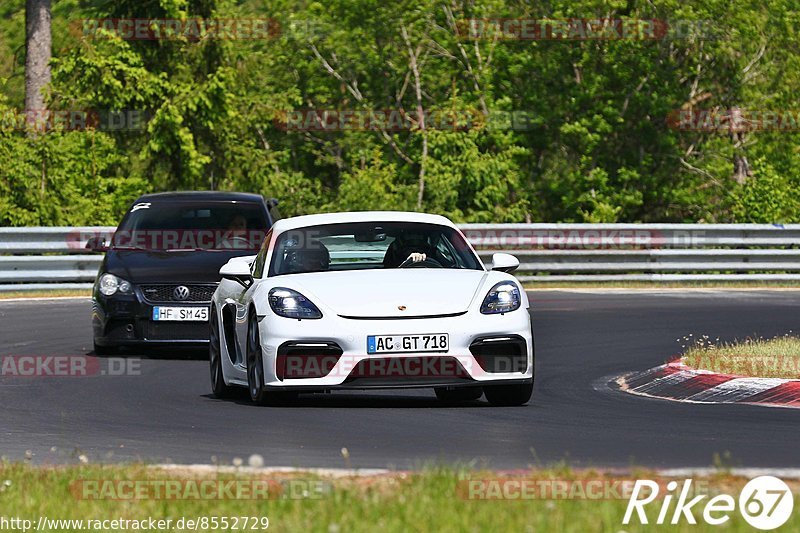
427,263
237,242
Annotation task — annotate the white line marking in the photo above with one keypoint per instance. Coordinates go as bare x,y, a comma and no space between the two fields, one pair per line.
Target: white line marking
43,299
736,390
783,473
228,469
672,379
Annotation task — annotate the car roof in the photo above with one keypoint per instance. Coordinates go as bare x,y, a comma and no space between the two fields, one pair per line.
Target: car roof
359,216
209,196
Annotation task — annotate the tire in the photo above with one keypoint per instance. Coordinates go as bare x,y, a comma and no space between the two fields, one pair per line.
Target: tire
509,395
460,395
218,387
255,370
105,350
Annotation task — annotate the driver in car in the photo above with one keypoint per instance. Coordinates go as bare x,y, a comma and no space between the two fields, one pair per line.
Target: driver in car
235,235
410,247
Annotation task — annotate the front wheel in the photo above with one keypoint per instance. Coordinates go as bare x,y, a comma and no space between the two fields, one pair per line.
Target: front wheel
508,395
218,387
255,370
104,350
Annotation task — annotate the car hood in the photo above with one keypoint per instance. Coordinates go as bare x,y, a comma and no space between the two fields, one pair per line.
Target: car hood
382,293
151,266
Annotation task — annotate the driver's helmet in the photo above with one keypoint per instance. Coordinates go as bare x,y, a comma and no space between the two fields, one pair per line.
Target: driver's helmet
316,258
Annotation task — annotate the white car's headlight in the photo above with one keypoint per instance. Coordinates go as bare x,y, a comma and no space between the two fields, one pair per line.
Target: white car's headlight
504,297
111,284
291,304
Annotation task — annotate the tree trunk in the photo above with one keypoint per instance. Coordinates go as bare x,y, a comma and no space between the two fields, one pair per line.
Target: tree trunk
738,129
37,57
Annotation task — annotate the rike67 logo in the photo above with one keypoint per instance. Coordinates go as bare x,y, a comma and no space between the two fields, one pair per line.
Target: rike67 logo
765,503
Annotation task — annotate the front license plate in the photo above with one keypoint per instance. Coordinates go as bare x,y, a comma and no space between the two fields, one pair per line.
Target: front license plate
431,342
180,314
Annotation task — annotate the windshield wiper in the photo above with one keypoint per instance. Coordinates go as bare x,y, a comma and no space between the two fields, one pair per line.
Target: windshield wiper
139,248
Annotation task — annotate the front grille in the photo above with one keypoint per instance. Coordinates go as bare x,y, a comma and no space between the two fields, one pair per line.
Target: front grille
501,354
298,360
422,370
165,293
176,331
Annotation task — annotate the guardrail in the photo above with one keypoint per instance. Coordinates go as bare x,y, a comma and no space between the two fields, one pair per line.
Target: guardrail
34,258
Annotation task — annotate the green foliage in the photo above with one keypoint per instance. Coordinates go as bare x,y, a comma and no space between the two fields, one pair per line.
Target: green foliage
768,198
595,144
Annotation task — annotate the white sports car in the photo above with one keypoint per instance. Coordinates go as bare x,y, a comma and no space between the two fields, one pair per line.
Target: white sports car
371,300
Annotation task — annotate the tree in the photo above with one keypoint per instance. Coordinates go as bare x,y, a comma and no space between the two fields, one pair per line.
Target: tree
37,54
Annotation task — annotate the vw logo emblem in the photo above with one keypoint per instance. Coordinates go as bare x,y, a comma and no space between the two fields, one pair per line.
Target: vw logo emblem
181,292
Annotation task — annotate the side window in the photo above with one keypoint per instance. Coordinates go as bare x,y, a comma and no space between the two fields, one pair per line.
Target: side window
445,253
258,264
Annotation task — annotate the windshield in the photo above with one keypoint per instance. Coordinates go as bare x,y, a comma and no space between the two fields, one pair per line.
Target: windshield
192,226
372,245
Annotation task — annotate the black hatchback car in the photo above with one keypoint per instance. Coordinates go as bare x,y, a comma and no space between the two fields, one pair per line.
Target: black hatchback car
162,265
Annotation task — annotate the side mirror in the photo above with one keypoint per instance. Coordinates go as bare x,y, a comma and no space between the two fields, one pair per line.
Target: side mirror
504,262
238,270
97,244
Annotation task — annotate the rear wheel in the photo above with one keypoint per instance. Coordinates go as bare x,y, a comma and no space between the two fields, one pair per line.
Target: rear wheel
218,386
255,370
459,395
508,395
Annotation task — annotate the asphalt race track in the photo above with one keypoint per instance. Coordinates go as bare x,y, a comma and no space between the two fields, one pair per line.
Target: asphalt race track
165,413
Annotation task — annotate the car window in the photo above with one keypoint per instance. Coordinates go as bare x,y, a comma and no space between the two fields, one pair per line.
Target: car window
167,225
258,264
373,245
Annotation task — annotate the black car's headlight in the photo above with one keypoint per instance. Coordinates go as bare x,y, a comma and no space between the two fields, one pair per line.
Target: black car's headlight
291,304
109,284
504,297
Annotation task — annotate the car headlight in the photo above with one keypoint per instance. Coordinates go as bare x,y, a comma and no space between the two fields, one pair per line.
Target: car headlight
111,284
502,298
291,304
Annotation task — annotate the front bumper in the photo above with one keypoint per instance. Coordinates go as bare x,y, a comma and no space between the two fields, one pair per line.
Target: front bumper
126,320
331,353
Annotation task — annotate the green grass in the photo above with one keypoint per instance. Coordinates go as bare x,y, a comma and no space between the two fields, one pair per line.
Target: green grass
778,357
45,293
429,500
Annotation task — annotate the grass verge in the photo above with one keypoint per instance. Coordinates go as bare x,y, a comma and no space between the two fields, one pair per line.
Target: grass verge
429,500
778,357
45,293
